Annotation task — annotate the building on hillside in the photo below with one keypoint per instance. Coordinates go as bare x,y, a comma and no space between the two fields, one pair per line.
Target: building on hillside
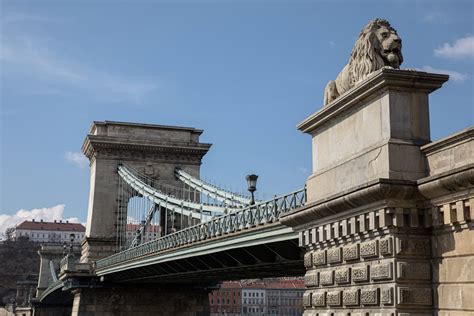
282,297
227,299
25,291
152,232
254,299
49,232
285,297
7,310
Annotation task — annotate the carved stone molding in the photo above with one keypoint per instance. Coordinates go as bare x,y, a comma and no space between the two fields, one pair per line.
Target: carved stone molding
373,192
380,81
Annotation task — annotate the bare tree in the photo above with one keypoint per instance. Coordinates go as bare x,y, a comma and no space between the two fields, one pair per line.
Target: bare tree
9,233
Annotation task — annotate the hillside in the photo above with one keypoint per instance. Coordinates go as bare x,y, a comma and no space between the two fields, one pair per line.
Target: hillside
18,259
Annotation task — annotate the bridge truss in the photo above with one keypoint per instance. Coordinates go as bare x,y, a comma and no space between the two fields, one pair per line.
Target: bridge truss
153,216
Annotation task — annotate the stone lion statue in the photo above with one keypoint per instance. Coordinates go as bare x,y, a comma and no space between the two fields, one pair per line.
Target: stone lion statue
378,46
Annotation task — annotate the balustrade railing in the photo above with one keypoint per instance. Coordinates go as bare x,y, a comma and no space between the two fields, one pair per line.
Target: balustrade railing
246,218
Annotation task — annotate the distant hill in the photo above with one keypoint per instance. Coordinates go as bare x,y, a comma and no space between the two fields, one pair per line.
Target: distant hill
18,260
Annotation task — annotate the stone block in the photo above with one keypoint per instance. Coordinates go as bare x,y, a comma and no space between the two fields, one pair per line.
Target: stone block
454,269
386,246
369,249
311,279
307,299
455,313
369,296
333,298
446,158
386,296
455,243
334,255
413,246
413,271
414,296
350,297
360,273
326,277
456,296
351,252
382,271
308,259
343,275
319,258
318,299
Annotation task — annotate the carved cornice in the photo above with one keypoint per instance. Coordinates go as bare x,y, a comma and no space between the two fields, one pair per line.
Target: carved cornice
370,193
96,143
448,142
377,83
447,182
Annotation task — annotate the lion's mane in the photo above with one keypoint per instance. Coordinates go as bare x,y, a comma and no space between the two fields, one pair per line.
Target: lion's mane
365,58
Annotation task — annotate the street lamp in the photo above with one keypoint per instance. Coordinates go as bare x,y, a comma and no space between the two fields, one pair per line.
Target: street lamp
252,185
71,237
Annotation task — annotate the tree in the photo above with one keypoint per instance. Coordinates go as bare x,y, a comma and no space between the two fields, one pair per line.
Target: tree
9,232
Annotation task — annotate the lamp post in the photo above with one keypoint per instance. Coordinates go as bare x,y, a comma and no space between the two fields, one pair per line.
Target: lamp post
252,185
71,238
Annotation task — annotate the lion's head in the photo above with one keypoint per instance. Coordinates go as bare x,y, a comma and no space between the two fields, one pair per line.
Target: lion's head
378,45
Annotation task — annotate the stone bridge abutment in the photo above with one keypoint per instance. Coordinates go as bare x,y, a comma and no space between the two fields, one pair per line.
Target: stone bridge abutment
387,229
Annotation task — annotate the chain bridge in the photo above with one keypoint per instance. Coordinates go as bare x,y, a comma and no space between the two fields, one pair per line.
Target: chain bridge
167,225
383,226
231,237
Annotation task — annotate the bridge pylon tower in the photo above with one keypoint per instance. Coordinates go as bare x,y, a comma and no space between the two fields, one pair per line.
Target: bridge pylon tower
154,150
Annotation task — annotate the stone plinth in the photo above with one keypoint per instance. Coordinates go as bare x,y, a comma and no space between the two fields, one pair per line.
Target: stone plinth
154,150
373,131
50,253
141,300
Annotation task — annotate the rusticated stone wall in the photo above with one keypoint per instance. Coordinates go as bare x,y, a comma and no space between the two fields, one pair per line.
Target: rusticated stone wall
370,271
450,202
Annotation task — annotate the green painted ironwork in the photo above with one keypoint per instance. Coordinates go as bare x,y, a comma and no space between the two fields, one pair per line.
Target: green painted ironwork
263,213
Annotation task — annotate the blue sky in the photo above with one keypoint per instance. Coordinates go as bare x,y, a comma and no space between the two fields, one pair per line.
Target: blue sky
244,71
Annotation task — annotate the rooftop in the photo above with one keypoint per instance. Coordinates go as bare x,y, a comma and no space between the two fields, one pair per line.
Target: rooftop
56,225
265,284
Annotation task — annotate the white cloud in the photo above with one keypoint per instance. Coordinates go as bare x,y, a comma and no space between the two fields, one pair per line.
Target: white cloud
21,17
47,214
24,55
453,75
435,16
77,158
461,48
303,170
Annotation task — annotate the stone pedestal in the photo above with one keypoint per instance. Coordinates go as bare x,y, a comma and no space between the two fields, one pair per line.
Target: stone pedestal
154,150
50,253
365,227
373,131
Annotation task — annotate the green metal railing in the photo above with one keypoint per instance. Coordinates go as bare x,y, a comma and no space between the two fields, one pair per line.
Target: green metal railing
246,218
